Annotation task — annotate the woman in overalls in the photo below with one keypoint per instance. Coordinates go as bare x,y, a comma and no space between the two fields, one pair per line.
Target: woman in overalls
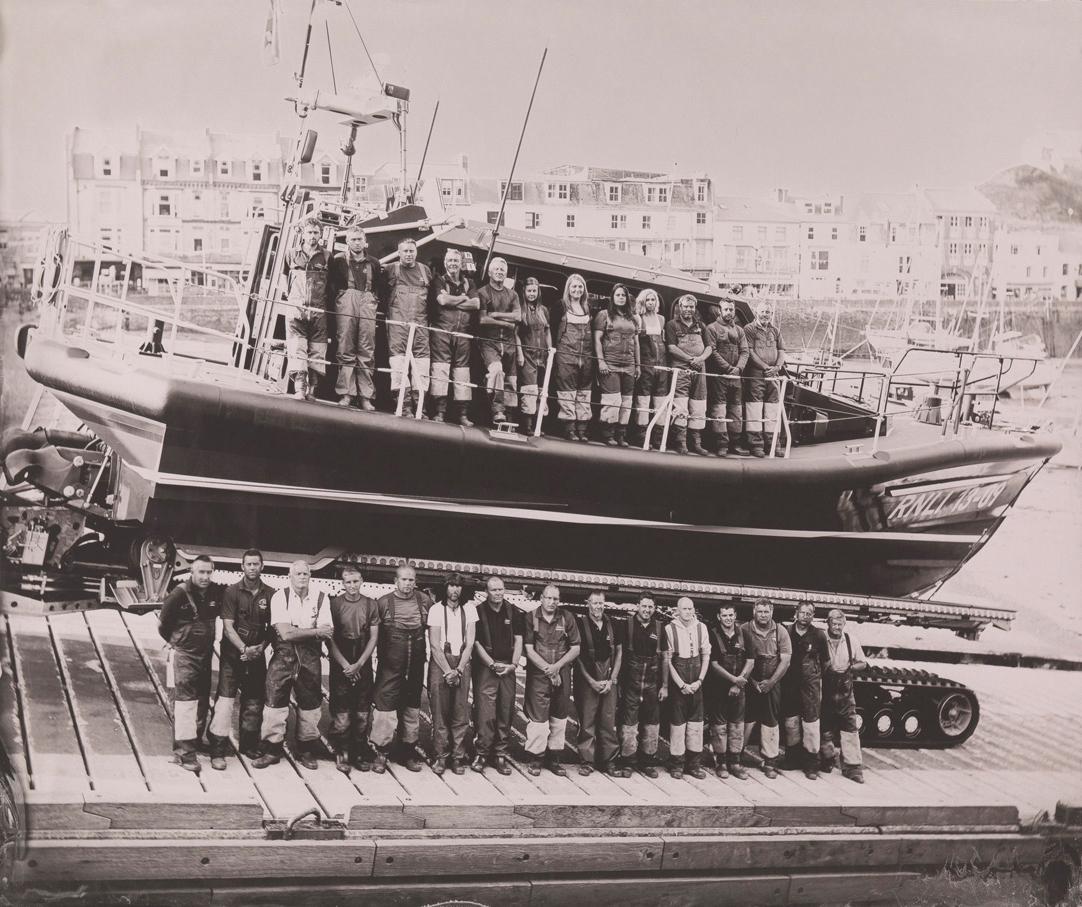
689,659
574,361
534,341
653,384
616,345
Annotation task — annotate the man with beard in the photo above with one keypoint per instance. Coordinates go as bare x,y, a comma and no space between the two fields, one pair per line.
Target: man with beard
643,687
456,303
725,366
501,311
355,278
452,625
725,694
768,645
407,304
689,348
500,630
766,360
839,703
598,668
802,692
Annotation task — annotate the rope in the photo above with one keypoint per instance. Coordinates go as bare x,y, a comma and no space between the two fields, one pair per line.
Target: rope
357,29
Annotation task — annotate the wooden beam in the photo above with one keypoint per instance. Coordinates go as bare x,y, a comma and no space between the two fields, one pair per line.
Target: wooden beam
386,894
790,851
666,891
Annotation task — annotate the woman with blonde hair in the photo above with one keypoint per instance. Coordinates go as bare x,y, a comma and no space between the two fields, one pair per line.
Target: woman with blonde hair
574,360
653,385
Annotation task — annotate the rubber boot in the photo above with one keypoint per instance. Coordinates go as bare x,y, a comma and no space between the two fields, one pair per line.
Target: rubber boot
462,417
300,385
272,755
621,436
566,430
695,444
720,444
407,404
580,431
756,442
608,432
694,766
440,414
498,414
676,767
853,772
736,769
679,441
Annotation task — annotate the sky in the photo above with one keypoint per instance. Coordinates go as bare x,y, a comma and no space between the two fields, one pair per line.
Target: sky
811,95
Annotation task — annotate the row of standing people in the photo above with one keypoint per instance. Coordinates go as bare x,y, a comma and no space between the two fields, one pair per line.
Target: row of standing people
726,375
615,671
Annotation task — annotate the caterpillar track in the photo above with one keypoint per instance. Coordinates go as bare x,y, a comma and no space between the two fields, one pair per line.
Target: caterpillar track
915,709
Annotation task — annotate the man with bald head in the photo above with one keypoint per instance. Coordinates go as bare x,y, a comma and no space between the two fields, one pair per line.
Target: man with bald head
500,629
766,364
400,675
453,314
301,620
839,702
688,662
501,311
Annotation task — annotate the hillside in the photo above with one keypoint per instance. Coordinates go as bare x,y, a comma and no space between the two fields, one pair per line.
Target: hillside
1030,194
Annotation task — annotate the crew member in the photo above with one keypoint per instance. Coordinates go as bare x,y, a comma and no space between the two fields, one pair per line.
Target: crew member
802,691
766,359
839,703
643,687
534,341
726,684
500,630
689,660
242,662
356,631
574,361
356,278
452,625
501,312
726,366
186,622
688,348
408,283
596,673
768,645
301,618
552,644
652,388
616,345
308,300
456,303
400,673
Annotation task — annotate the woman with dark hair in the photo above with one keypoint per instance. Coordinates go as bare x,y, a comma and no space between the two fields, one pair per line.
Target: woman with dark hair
653,383
616,345
574,360
534,340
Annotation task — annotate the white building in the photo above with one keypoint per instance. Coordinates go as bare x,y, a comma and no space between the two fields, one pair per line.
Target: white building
967,223
756,245
1036,263
20,251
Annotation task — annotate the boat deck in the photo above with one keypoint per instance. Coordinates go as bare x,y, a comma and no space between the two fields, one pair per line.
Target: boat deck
85,718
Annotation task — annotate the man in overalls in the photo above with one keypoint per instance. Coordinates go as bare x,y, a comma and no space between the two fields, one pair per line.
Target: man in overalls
500,630
456,303
400,675
768,645
596,673
802,692
552,644
534,341
408,281
501,312
356,632
242,664
306,317
689,660
643,686
689,349
356,280
301,618
726,368
839,703
452,625
725,694
186,622
766,360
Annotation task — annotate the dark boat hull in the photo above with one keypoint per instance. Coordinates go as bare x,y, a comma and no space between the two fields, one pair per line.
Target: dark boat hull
218,467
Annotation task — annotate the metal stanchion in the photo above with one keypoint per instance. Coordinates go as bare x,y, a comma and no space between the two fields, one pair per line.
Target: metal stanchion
543,401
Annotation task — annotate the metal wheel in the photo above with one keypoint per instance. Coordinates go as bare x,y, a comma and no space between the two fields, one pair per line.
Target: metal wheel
911,725
883,723
957,716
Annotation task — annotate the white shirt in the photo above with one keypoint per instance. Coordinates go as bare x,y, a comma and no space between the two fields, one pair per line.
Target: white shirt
839,652
305,613
451,623
688,641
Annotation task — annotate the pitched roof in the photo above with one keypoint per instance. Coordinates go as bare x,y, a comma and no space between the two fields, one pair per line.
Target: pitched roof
741,208
962,199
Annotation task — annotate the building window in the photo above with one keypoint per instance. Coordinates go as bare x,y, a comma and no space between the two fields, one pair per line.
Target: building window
808,207
833,232
197,244
360,186
223,206
983,223
106,166
1029,271
1014,250
811,232
257,171
820,260
779,233
646,221
257,207
657,195
862,234
165,206
967,249
223,244
514,194
893,234
452,191
614,194
982,248
325,174
570,221
953,221
1065,269
969,221
904,263
700,218
533,220
618,222
1038,250
952,248
621,246
700,193
491,217
557,191
163,167
197,168
828,207
225,168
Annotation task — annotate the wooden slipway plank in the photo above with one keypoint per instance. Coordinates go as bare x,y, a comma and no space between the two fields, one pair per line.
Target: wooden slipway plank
134,860
500,856
388,894
101,726
1001,851
739,852
11,732
55,759
830,888
667,891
